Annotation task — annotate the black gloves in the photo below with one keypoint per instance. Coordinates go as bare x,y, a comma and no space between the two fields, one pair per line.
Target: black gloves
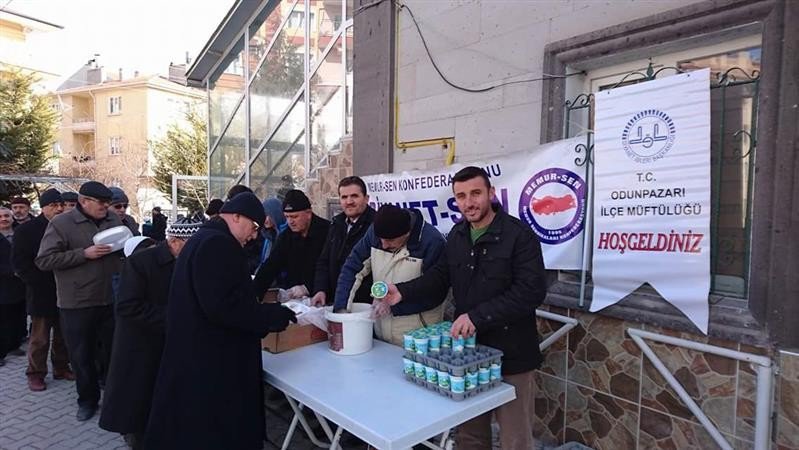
280,316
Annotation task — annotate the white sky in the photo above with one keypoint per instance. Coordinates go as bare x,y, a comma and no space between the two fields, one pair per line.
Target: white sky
143,35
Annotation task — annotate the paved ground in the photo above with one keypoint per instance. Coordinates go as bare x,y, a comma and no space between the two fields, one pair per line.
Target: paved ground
46,420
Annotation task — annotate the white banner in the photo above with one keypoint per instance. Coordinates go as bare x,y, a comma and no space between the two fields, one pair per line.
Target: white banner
652,193
543,187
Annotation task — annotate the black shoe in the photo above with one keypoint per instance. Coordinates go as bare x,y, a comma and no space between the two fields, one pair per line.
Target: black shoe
85,413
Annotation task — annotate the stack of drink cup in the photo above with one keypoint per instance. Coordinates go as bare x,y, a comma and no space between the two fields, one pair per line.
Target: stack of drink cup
454,366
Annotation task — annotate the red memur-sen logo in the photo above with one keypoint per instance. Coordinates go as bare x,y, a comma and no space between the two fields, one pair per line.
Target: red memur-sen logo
648,136
553,204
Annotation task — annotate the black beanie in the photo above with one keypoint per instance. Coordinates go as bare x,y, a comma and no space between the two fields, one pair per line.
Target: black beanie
49,197
246,204
296,200
391,222
213,207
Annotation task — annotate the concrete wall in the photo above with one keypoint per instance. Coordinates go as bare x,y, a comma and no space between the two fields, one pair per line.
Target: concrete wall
478,44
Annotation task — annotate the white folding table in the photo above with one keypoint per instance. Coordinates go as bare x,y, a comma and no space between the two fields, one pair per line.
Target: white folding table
368,396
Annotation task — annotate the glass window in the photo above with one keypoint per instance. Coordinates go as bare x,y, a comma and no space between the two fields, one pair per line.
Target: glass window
115,145
348,78
281,164
228,159
350,8
264,30
327,105
226,91
115,105
323,26
733,119
276,83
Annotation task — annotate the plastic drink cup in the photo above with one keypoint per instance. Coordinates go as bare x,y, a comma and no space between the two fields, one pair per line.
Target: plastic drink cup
471,380
446,339
408,366
419,370
408,343
421,344
379,289
484,375
431,374
496,371
443,379
471,341
458,344
457,385
434,342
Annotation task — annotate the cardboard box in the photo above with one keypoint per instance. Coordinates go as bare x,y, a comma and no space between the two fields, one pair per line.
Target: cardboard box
295,336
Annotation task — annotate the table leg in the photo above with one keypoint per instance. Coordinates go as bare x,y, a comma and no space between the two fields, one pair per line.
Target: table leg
326,427
336,437
442,441
290,432
297,408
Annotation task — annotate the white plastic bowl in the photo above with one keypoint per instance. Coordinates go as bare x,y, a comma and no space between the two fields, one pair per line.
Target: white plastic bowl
115,237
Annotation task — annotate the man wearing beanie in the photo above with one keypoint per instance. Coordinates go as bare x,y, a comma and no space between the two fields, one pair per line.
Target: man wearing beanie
83,273
21,207
346,230
292,261
140,318
209,389
119,205
41,296
70,200
399,246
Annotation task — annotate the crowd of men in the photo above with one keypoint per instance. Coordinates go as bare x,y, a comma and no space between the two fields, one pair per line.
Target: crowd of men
177,337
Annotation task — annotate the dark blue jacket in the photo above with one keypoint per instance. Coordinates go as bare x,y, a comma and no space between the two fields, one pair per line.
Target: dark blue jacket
425,243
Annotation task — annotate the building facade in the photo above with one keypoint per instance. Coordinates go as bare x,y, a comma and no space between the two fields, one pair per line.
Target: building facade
510,75
107,125
15,29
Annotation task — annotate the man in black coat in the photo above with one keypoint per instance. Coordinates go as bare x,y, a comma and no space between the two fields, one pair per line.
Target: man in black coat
41,296
12,294
140,315
158,230
209,390
493,263
293,259
346,230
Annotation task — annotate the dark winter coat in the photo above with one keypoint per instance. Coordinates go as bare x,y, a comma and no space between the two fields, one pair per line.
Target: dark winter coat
158,230
208,393
499,281
293,258
131,223
39,285
140,316
337,249
12,289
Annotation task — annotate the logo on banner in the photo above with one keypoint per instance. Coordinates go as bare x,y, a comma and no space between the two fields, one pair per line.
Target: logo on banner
553,205
648,136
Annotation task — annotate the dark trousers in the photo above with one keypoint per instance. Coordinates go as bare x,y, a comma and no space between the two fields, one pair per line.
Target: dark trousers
13,327
88,333
39,347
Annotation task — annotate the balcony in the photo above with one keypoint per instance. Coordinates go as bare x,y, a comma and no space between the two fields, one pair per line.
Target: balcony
83,125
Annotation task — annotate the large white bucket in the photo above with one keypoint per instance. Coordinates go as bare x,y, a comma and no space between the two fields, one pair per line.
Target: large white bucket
350,333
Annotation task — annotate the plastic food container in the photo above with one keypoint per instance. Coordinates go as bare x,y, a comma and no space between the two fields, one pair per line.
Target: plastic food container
115,237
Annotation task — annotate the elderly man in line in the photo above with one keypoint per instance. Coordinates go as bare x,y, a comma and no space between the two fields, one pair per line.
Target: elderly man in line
41,297
70,200
119,204
12,294
83,272
21,207
209,389
140,314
